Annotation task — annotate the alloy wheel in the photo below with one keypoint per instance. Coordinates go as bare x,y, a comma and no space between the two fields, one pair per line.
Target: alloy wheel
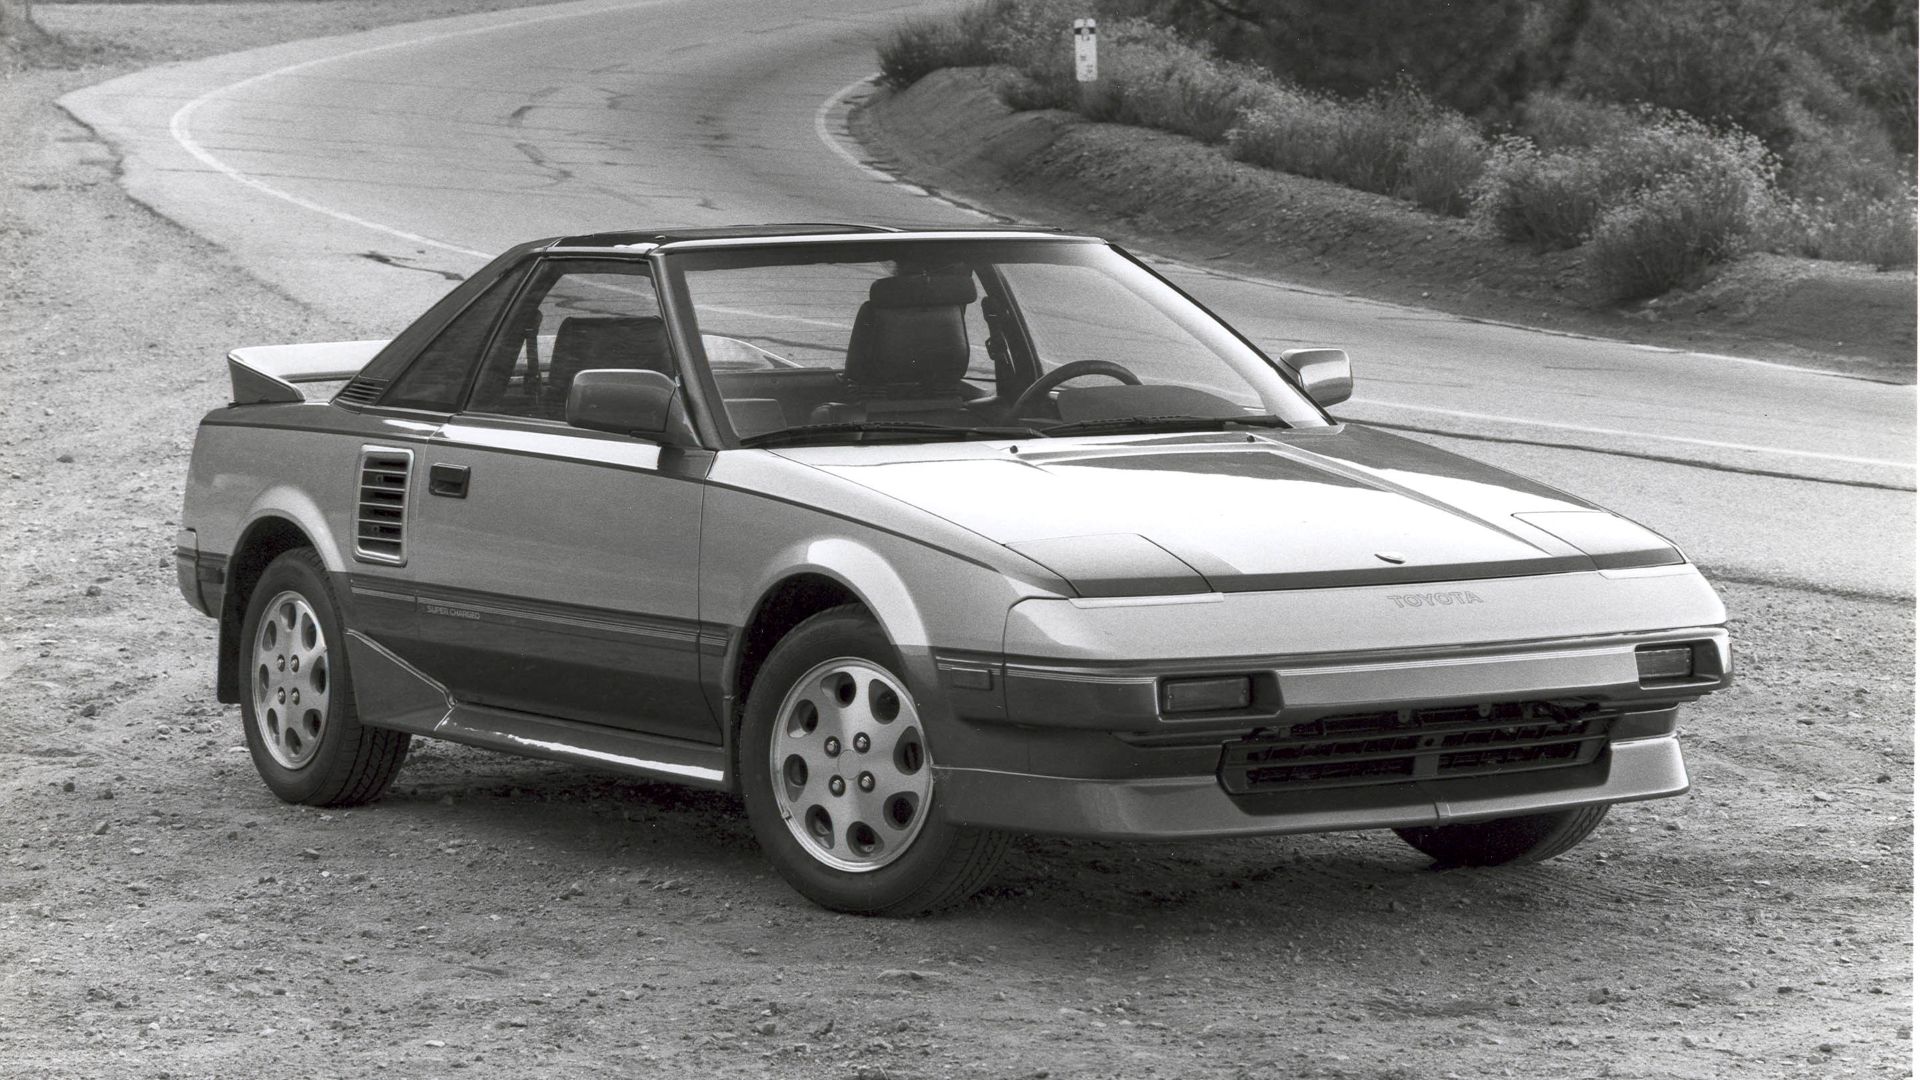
849,765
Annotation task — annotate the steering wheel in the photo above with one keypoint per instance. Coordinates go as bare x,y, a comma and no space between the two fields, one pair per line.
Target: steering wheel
1045,383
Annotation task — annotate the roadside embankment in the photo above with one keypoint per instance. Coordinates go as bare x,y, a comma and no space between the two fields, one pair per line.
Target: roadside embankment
1181,198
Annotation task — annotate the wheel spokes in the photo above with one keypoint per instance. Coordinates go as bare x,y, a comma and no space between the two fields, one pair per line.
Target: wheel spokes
850,768
292,678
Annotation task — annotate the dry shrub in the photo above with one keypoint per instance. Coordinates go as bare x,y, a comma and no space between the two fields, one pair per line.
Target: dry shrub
1549,200
1556,121
1555,199
1313,135
1666,235
1024,93
1149,77
1443,165
1856,227
921,46
1396,143
1289,130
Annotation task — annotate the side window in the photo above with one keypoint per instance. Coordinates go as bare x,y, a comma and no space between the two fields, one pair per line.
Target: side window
575,315
438,376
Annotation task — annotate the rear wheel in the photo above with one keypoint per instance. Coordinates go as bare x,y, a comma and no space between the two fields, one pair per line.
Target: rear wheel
838,780
1526,839
302,729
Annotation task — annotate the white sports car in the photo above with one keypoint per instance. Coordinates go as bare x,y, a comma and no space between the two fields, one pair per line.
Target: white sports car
915,538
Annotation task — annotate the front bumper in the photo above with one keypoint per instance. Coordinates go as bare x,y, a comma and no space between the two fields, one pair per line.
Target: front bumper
1533,698
1192,807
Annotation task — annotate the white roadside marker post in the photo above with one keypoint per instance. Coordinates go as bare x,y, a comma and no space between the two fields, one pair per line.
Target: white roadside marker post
1086,53
1086,50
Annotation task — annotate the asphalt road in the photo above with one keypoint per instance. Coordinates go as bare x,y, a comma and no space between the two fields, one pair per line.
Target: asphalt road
361,173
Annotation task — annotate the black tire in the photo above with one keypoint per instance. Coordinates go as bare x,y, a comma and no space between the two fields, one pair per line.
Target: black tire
303,730
933,863
1499,841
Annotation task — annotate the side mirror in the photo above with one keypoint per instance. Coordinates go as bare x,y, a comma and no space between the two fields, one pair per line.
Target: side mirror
629,402
1325,374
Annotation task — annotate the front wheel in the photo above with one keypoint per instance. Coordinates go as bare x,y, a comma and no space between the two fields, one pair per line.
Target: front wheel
838,780
1526,839
302,729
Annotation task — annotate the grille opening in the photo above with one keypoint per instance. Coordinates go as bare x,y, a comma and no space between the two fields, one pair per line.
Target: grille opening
380,516
1392,746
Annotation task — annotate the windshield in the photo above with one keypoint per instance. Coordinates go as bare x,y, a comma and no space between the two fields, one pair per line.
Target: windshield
913,339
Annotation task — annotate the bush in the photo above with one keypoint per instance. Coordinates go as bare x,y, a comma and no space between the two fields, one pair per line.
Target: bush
1468,54
921,46
1556,199
1549,200
1555,121
1396,143
1666,235
1444,163
1854,228
1149,77
1316,136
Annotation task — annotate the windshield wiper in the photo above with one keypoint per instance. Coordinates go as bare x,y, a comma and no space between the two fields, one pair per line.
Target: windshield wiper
1162,423
887,427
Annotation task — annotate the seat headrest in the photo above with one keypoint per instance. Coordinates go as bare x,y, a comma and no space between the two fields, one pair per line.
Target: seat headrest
923,290
588,342
912,332
632,341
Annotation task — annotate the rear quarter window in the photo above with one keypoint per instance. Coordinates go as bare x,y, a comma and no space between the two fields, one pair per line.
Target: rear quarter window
437,379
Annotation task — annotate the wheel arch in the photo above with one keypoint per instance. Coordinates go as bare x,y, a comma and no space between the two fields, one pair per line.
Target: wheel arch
828,574
266,538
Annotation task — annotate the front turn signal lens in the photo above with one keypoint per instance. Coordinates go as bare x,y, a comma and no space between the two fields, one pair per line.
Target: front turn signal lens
1664,663
1206,695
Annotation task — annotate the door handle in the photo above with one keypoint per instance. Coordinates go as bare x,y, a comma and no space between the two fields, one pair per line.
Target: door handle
448,480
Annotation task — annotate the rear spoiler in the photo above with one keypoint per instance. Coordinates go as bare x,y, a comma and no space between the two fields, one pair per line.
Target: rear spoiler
267,373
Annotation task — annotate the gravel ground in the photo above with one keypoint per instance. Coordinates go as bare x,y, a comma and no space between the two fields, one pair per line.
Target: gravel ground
161,915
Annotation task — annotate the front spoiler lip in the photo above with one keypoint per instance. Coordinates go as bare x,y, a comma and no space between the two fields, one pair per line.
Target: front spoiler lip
1197,807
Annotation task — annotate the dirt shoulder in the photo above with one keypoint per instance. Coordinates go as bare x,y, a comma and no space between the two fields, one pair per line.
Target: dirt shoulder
1173,195
161,915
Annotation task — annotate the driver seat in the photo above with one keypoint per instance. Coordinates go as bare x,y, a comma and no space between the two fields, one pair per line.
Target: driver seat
908,353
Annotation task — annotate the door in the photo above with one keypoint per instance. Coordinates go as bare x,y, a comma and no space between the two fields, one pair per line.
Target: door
556,568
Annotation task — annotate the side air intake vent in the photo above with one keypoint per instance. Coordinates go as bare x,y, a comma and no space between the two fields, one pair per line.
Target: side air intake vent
380,518
361,391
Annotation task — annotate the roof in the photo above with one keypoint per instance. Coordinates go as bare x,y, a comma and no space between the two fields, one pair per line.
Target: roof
650,237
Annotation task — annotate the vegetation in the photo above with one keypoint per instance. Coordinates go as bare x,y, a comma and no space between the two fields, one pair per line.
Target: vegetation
17,27
1396,142
1658,136
1553,198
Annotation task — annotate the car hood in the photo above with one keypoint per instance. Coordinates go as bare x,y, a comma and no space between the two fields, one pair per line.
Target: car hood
1231,512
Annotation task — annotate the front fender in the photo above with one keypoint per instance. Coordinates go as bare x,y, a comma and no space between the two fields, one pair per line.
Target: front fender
865,573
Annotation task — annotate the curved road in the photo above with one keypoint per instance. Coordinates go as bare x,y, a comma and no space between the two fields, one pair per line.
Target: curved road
361,173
